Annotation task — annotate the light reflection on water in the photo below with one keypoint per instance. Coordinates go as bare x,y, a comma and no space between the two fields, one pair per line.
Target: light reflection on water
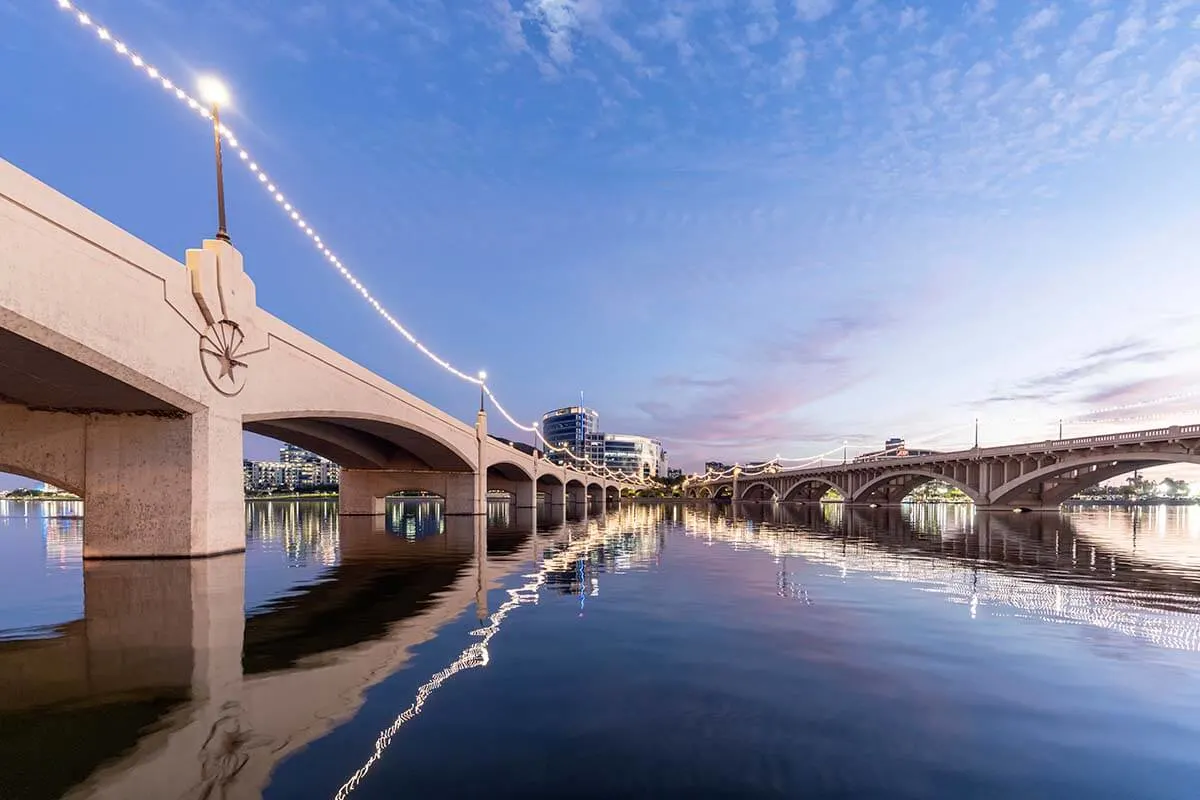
273,653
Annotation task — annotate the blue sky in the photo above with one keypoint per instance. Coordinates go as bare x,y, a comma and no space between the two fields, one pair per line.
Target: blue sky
748,228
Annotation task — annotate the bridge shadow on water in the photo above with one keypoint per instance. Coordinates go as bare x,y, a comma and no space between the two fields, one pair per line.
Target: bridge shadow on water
168,681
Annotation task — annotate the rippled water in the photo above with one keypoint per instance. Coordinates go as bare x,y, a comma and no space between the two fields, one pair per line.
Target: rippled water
658,650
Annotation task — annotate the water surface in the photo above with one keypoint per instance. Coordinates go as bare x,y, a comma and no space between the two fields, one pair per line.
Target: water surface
657,650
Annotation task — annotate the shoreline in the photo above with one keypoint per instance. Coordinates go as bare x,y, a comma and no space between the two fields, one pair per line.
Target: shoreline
1148,503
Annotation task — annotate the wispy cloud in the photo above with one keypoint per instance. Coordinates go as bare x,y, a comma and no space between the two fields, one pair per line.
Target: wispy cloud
951,101
813,10
1073,382
1026,37
761,404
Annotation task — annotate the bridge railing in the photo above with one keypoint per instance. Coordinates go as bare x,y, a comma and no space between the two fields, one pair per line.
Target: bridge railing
1154,435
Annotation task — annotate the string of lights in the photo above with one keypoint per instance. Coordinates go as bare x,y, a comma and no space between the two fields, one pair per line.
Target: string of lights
771,466
305,226
476,654
1080,419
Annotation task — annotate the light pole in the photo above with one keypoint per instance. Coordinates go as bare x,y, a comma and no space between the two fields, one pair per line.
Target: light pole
977,433
482,378
1060,430
216,95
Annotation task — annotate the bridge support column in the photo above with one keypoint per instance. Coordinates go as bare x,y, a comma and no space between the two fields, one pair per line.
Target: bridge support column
162,487
555,499
554,494
363,492
526,495
481,461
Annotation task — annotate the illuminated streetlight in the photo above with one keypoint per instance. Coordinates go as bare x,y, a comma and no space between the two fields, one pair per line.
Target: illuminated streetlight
216,95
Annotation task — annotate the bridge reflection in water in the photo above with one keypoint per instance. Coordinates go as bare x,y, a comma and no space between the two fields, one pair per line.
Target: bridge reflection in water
174,685
169,687
1081,568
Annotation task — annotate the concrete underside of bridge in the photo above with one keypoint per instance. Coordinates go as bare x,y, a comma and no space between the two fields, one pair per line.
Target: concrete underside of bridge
128,378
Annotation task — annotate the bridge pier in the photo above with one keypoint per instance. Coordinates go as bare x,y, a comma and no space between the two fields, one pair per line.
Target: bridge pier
526,495
554,498
594,500
364,492
154,485
577,497
160,486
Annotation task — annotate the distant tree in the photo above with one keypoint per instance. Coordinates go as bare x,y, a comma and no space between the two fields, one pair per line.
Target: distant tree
1137,487
1172,487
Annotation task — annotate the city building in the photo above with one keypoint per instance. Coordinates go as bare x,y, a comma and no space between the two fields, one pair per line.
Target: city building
576,428
674,472
635,455
894,448
296,469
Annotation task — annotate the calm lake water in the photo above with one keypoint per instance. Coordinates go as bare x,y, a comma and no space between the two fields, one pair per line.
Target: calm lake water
656,651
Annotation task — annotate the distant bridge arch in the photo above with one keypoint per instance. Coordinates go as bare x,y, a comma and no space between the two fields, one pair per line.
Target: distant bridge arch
1057,483
1034,475
811,490
893,486
510,471
759,492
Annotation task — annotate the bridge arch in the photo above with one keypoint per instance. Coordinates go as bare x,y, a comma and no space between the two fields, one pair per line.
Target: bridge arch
893,486
576,491
759,492
550,487
704,493
1054,484
44,446
509,471
364,441
57,478
513,480
811,490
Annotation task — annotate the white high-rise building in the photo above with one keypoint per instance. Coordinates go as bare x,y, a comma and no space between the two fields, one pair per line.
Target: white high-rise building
296,468
635,455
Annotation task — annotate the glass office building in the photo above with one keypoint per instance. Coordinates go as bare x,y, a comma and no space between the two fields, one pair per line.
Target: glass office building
635,455
578,429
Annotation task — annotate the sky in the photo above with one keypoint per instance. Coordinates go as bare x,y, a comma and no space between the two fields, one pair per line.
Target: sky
746,227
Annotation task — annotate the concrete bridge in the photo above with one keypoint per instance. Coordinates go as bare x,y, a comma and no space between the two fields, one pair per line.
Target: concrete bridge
1034,476
129,377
